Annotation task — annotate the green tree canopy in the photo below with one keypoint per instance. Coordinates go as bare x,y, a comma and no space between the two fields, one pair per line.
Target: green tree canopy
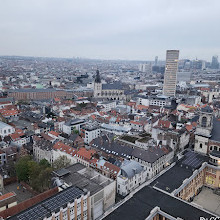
22,168
37,175
61,162
44,163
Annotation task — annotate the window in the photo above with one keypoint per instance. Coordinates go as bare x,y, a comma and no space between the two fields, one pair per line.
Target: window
210,180
84,214
200,145
78,206
84,202
204,121
72,210
57,217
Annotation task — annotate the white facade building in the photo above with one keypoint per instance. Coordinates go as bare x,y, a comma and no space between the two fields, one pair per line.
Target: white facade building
131,176
6,129
89,132
72,125
107,106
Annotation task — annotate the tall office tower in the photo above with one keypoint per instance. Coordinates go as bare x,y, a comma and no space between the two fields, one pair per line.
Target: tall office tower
203,64
156,61
215,64
170,75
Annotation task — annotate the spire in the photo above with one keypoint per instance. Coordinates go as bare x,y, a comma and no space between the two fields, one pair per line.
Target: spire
97,78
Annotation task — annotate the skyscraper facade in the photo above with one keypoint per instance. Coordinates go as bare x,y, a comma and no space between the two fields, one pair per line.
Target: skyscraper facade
215,63
170,75
156,61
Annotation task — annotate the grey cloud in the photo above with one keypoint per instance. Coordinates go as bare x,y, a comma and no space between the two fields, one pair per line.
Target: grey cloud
128,29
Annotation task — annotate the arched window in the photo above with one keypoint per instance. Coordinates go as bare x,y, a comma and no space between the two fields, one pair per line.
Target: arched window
215,148
200,145
210,148
204,121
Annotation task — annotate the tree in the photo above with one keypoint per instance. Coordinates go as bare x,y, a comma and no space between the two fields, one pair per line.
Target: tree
44,178
22,168
10,167
61,162
75,131
37,175
44,163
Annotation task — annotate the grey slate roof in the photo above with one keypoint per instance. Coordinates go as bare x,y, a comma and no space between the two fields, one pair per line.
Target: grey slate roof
215,135
117,149
150,155
73,137
215,153
130,167
112,86
207,109
74,122
102,143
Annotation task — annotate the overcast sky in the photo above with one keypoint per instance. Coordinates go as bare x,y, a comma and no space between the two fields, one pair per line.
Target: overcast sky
110,29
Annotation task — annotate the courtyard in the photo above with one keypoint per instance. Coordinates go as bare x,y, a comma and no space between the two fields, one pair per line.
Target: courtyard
208,200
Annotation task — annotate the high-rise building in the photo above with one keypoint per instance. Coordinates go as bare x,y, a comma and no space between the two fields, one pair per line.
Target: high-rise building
170,75
146,67
215,64
156,61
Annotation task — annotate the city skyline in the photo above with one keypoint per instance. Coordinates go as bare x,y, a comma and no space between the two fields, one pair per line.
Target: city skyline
116,30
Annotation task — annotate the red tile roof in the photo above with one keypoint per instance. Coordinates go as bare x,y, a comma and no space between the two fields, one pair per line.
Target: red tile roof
47,137
85,154
15,137
57,99
6,113
112,167
64,148
141,107
136,122
164,124
93,117
7,195
54,133
189,127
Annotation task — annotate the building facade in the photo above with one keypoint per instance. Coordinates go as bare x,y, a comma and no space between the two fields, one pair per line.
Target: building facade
170,75
6,129
131,176
107,91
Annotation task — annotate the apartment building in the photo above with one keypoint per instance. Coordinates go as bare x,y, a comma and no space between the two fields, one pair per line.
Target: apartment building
90,131
69,204
131,176
6,129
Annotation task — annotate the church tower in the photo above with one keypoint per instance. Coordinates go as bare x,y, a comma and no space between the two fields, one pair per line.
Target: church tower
203,130
97,85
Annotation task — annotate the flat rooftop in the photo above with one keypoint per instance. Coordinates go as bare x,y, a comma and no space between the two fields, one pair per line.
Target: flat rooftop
83,177
183,169
141,204
21,193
